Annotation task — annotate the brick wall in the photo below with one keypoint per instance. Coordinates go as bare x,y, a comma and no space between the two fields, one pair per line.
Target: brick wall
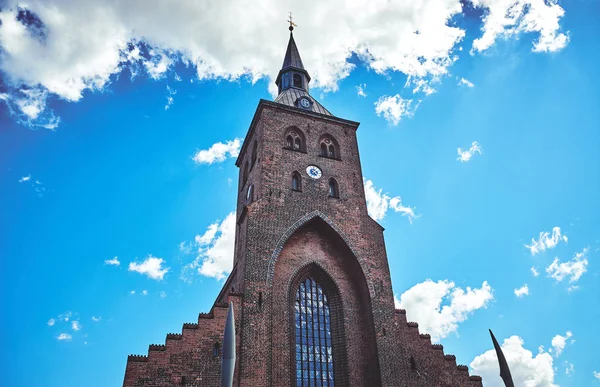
281,235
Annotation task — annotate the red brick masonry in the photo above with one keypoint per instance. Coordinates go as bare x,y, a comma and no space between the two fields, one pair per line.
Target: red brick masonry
283,236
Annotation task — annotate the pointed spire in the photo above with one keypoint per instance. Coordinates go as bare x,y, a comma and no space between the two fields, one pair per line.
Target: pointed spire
292,56
292,73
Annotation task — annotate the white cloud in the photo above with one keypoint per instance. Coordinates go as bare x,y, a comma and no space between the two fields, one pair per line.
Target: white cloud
423,304
570,368
152,267
96,319
360,90
465,155
145,292
534,271
424,86
393,108
132,292
571,288
163,294
51,322
546,241
597,375
522,291
64,336
75,325
78,46
186,247
215,250
114,261
526,369
170,99
465,82
218,152
25,178
574,268
559,342
379,203
508,18
65,316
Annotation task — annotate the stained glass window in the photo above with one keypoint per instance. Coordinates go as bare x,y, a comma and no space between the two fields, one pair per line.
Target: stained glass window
314,352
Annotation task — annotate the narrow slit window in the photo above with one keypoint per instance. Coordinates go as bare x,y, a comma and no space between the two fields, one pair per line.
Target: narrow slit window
245,175
254,152
296,181
333,188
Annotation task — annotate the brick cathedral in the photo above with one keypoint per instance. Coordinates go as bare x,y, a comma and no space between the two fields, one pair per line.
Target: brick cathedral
310,282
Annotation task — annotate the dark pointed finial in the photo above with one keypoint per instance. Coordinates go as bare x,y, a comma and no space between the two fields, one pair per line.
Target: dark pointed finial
228,357
504,370
292,24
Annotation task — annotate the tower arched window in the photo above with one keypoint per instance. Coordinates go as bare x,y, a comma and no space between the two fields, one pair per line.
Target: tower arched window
254,153
297,80
334,190
313,341
329,149
296,181
249,194
294,140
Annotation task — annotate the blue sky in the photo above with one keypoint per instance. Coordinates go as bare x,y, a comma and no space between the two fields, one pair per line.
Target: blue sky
118,141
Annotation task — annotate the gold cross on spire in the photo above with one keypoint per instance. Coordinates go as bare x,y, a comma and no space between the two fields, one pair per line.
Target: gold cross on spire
292,24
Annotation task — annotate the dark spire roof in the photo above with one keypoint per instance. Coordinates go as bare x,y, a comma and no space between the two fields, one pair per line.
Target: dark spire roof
292,56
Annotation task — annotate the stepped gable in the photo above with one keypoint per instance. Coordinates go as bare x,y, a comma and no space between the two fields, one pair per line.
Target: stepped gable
427,361
186,358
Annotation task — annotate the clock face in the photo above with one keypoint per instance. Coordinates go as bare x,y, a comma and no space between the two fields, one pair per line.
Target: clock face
305,103
314,172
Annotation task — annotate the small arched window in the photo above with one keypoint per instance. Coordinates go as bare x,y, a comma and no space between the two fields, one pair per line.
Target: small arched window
334,191
249,194
286,81
328,148
297,80
216,350
245,174
294,140
296,181
254,153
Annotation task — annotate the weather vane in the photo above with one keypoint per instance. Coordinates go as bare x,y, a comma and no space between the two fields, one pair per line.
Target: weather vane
292,24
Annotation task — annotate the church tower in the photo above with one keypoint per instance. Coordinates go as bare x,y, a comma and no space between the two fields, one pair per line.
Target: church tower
310,281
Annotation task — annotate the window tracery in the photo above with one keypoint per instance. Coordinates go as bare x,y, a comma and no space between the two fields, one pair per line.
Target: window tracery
294,140
313,340
329,149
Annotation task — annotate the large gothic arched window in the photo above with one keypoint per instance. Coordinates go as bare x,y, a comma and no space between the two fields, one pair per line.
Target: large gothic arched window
314,349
